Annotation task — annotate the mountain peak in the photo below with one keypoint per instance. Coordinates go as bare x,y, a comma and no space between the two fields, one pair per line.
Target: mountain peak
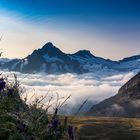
84,53
50,49
49,45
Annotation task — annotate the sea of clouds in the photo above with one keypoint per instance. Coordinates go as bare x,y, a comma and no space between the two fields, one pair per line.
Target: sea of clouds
89,86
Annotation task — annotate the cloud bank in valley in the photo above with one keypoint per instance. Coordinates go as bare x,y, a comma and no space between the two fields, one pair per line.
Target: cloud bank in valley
80,87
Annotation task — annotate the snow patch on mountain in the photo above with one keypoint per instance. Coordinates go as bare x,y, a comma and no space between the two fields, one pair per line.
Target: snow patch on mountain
129,65
5,59
52,59
59,62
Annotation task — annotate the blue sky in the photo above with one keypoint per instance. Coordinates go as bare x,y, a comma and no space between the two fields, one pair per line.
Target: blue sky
109,28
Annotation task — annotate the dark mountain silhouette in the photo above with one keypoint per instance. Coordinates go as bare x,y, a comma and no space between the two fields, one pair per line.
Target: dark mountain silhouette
130,58
84,53
50,59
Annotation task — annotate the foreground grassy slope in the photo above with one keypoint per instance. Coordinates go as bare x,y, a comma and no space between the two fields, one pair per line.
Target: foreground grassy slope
91,128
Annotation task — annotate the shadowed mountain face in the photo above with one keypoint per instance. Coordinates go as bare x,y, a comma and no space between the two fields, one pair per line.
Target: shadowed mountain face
48,59
124,104
52,60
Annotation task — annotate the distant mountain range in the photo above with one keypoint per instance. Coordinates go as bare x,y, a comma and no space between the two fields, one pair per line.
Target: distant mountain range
52,60
124,104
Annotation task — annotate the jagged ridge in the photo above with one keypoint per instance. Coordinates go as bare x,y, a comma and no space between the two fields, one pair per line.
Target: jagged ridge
50,59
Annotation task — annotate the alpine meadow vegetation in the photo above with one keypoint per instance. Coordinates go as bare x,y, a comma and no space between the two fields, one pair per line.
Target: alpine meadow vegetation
22,121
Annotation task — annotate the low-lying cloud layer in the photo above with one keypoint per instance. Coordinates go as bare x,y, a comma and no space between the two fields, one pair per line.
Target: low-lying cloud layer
80,87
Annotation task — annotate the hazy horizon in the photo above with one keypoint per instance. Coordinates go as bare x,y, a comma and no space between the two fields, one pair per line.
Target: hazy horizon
64,52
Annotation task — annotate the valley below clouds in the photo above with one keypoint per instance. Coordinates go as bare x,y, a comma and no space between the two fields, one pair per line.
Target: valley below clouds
94,87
